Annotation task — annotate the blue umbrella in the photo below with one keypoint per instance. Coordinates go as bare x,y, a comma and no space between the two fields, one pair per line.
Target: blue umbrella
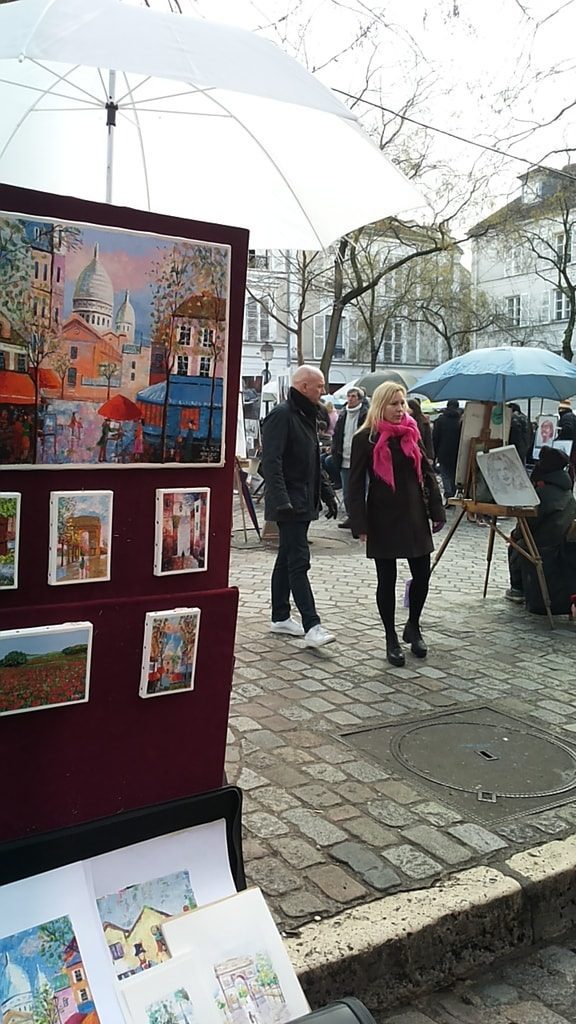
500,375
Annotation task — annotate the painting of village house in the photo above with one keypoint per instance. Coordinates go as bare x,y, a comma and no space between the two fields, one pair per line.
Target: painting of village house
113,346
169,652
44,667
80,536
42,977
9,541
181,531
132,920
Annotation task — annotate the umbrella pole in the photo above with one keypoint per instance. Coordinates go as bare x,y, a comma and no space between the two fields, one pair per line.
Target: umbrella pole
111,109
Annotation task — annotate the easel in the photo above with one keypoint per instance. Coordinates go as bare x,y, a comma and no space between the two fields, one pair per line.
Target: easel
531,554
244,498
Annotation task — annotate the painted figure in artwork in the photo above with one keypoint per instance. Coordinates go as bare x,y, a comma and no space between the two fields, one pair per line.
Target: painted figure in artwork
102,442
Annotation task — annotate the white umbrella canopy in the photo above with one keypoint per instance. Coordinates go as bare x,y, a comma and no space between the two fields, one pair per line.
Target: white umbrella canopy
212,123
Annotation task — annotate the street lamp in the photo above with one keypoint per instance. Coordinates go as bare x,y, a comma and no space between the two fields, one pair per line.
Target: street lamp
266,351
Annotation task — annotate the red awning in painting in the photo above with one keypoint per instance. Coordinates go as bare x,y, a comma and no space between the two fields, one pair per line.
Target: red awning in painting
120,408
16,388
48,378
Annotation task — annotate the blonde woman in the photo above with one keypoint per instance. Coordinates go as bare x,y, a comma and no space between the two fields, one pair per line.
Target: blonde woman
393,497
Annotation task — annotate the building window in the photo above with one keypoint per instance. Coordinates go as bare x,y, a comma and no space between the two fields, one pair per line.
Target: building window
563,246
35,307
182,366
257,321
205,366
37,234
71,376
36,270
77,975
184,334
258,259
73,351
21,364
561,305
116,950
393,344
84,997
45,272
3,361
346,330
133,365
513,310
206,337
132,375
58,274
56,315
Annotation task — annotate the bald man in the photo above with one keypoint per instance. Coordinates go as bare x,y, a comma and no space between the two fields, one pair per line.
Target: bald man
294,489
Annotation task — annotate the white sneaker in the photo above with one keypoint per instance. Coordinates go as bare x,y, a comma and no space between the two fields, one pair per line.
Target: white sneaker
289,626
318,636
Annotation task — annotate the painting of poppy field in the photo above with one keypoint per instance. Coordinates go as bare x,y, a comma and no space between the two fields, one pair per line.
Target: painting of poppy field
43,667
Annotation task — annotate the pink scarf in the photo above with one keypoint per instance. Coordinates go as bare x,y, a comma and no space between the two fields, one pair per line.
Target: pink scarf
409,435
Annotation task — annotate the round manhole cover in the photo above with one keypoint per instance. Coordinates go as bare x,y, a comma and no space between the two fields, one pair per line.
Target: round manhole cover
501,760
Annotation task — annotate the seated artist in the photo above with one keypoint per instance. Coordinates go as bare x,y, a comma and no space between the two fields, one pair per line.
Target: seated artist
550,529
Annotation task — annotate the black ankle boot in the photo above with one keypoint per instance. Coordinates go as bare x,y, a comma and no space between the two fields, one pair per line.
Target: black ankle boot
413,636
394,652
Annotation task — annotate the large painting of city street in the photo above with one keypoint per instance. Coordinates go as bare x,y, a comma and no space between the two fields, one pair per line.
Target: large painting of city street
113,346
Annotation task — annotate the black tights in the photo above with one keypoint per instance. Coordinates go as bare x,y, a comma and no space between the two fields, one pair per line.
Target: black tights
386,589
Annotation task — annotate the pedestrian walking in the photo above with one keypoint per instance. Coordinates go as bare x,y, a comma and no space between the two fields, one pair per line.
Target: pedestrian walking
446,441
295,487
423,424
350,419
392,513
521,435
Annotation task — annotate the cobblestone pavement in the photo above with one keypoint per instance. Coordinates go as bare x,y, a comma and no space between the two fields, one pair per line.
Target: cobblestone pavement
539,988
327,827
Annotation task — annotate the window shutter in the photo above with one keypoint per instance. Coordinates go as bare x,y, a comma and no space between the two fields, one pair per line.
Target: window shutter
524,309
545,307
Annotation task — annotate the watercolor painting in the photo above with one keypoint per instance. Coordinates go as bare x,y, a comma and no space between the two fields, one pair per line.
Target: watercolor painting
169,653
247,990
44,667
132,920
182,521
42,977
113,346
175,1008
9,539
80,536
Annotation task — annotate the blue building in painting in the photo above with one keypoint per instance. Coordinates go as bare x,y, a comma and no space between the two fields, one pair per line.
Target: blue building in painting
193,420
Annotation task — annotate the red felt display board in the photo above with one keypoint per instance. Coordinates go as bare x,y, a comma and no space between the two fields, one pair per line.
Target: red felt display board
119,751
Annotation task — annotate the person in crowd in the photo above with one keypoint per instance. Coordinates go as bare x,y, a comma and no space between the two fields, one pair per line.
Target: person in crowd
521,435
332,416
446,439
567,429
424,427
349,421
392,514
555,516
323,421
295,487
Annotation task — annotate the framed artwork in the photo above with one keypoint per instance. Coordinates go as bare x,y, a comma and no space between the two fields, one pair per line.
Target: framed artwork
252,411
563,446
169,652
80,537
9,539
114,345
505,475
476,417
182,528
44,667
546,428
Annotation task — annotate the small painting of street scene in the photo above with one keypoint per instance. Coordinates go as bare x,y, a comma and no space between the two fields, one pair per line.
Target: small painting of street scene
44,667
132,920
9,540
176,1008
247,991
181,543
80,536
42,977
113,346
169,652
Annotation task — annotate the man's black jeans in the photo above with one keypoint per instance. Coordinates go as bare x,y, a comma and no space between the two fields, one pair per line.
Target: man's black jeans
290,575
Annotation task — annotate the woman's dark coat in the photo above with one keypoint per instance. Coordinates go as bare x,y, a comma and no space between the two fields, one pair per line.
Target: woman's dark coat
395,521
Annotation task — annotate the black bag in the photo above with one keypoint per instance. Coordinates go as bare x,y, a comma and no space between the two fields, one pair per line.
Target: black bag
344,1011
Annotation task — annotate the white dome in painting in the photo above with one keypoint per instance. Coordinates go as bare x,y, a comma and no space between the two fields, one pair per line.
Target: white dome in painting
16,990
125,322
93,298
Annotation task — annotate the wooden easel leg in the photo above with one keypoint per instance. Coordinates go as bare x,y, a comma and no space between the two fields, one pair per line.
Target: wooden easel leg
238,486
447,539
489,553
537,563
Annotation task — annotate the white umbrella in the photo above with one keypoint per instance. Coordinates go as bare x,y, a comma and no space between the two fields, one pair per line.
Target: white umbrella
193,119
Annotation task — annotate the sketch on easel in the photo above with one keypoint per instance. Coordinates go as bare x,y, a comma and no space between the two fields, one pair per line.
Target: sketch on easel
44,667
182,521
545,433
80,537
169,652
479,419
506,476
9,539
43,977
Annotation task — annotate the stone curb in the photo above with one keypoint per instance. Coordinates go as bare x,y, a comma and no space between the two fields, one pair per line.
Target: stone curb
389,951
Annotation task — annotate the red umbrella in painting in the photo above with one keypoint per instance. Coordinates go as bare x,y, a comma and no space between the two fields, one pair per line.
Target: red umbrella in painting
120,408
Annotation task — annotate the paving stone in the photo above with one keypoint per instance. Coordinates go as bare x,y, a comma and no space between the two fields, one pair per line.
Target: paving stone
318,796
248,779
399,792
317,704
251,849
437,844
303,905
356,856
478,838
357,792
243,724
412,862
275,798
264,825
266,739
437,814
325,772
336,884
270,875
341,812
312,825
365,772
286,776
532,1013
390,813
297,852
370,831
